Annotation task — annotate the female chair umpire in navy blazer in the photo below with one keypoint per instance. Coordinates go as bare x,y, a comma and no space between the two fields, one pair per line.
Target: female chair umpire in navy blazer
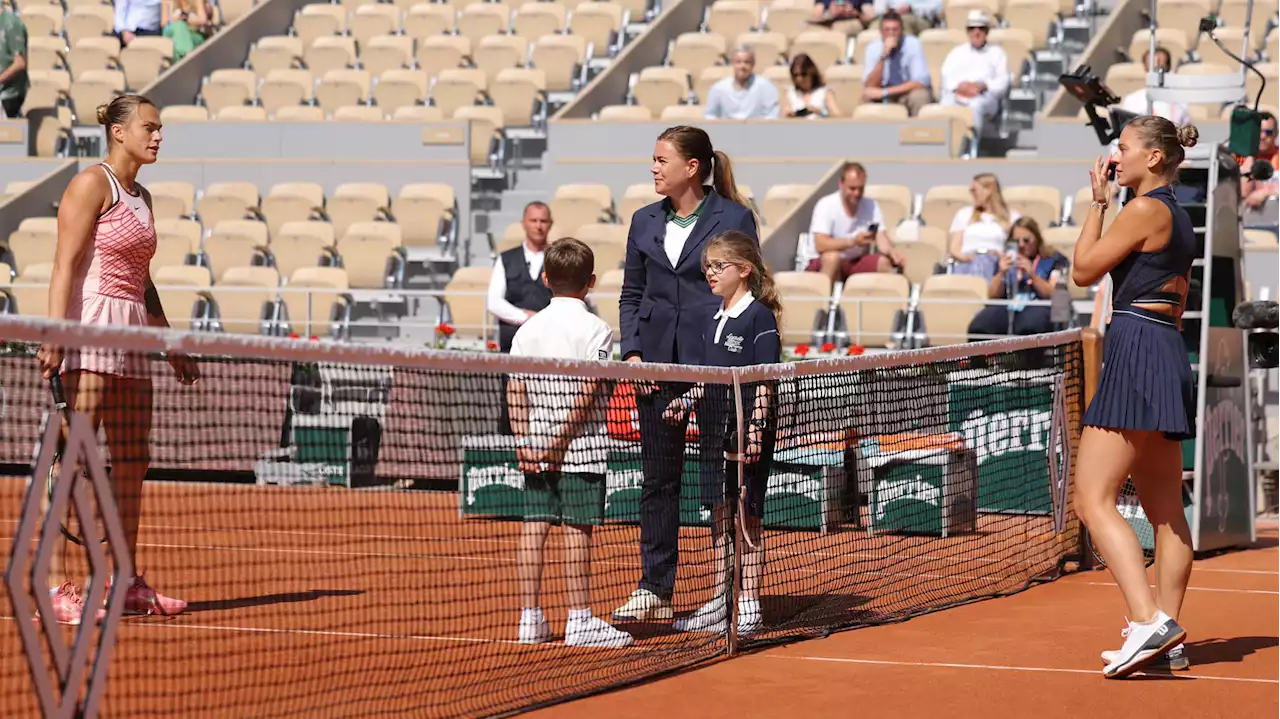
665,307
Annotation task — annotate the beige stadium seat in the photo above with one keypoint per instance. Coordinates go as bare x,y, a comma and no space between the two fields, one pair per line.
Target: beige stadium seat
1062,239
1260,239
1034,16
93,53
275,52
922,258
369,252
956,12
1232,13
144,59
770,47
625,113
1172,39
32,244
806,296
386,52
465,298
181,232
961,118
581,204
339,88
48,88
895,202
302,244
1269,70
1209,52
242,113
937,43
439,53
520,93
1126,77
87,21
245,299
683,114
1185,15
179,114
357,202
292,202
319,20
92,89
600,23
299,113
418,113
846,82
227,201
869,322
880,112
486,131
824,47
172,199
183,292
948,304
32,300
400,88
537,19
561,57
458,88
635,197
941,202
234,243
286,87
337,52
496,53
708,77
1043,203
659,87
372,20
1017,47
605,296
42,20
46,53
478,20
608,242
732,18
779,199
425,20
788,17
228,87
423,211
313,299
696,51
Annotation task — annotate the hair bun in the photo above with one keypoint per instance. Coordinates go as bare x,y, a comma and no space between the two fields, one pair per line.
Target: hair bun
102,113
1188,135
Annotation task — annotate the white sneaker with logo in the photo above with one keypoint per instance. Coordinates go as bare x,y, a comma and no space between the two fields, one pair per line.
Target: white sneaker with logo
710,617
643,605
595,632
534,630
1144,643
1174,660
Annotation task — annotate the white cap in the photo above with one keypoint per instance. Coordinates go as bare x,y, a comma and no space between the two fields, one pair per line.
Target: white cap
978,18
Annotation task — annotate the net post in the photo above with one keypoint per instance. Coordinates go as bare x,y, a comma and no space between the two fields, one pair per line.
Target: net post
734,570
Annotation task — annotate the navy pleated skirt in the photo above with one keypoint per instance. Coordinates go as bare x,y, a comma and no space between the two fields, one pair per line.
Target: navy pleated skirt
1146,381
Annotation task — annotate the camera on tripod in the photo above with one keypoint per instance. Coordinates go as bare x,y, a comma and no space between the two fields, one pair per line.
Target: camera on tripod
1259,321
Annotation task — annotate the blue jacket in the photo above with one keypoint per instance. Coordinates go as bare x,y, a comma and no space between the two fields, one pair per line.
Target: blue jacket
664,309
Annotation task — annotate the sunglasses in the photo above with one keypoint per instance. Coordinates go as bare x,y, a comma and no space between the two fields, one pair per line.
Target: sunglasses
1268,133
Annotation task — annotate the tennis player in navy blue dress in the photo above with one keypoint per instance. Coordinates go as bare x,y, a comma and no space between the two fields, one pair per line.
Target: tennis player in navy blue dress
1144,405
743,332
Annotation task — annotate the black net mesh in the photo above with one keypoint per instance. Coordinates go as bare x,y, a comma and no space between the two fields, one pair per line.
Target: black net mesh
458,536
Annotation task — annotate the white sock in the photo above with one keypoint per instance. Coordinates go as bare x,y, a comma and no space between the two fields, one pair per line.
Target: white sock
579,615
748,606
532,616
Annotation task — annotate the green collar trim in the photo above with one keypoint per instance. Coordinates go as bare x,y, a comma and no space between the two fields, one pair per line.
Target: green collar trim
689,221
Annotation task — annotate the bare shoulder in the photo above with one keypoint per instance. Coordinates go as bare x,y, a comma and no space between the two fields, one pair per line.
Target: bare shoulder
1147,209
89,187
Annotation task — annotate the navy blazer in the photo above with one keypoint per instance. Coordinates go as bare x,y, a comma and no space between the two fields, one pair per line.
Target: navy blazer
664,309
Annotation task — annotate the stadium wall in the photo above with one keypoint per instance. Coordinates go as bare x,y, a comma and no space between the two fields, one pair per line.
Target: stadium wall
1074,137
1104,50
446,142
229,48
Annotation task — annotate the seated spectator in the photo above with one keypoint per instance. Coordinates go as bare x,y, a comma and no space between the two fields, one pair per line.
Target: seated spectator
917,15
1136,101
13,63
978,231
188,23
1032,272
894,69
744,94
137,17
1255,193
832,11
847,233
807,96
976,74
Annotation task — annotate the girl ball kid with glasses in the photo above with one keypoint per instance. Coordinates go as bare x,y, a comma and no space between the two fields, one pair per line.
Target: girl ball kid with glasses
743,332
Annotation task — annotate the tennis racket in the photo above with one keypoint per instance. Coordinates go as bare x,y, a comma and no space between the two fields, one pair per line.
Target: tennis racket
1131,509
60,405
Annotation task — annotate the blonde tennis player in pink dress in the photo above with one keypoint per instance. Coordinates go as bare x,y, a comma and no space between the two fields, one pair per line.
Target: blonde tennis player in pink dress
101,276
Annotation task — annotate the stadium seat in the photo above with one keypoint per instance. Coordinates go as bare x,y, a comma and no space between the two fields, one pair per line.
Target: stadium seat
1043,203
93,53
319,20
370,253
182,290
495,53
807,297
937,44
961,118
235,243
179,114
636,113
373,20
1184,15
291,202
386,52
245,299
636,197
43,20
144,59
87,21
275,52
336,52
600,23
536,19
227,201
956,12
948,304
779,199
480,19
242,113
46,53
457,88
824,47
339,88
659,87
172,199
562,58
732,18
576,205
357,202
286,87
425,212
922,257
228,87
1034,16
48,88
683,114
881,112
605,297
440,53
418,113
707,78
696,51
520,93
313,299
789,17
1172,39
1017,46
1259,239
31,301
299,113
608,242
845,81
177,242
425,20
780,76
92,89
870,323
1209,52
308,243
33,243
769,47
1232,13
464,296
941,202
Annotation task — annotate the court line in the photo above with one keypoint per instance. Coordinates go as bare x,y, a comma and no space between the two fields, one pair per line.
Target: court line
1194,589
1006,668
1234,571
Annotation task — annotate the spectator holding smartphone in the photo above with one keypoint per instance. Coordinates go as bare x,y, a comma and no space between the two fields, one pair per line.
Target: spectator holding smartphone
846,234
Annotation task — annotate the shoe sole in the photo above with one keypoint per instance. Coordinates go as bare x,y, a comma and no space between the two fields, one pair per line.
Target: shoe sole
648,615
1181,664
1138,664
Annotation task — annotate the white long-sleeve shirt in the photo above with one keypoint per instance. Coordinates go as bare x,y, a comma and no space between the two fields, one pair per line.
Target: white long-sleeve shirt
133,15
988,64
497,297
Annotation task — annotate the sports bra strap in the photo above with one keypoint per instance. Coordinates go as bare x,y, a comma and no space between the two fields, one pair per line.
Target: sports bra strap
116,189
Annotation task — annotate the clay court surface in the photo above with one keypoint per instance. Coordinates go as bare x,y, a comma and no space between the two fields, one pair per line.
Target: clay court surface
310,603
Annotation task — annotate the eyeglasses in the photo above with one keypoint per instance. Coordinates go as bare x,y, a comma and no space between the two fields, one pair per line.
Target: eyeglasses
1026,239
716,267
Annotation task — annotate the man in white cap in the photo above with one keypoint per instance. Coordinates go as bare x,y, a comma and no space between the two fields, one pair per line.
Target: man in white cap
976,74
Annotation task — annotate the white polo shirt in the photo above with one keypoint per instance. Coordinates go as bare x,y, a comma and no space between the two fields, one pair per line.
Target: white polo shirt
830,218
566,329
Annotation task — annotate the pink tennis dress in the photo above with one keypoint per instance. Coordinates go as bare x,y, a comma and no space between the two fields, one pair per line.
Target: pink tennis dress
108,284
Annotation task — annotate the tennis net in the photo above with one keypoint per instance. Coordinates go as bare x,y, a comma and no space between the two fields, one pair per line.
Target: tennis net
359,529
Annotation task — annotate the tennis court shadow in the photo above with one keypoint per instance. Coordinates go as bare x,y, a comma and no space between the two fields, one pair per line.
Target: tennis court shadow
1227,651
268,599
816,611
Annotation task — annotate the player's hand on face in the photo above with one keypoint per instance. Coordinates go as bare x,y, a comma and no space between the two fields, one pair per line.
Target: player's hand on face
1101,186
50,359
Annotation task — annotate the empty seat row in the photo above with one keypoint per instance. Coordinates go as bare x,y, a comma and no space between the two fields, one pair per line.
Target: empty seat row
141,62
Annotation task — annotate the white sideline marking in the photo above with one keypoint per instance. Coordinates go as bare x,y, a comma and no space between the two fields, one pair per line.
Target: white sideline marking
1003,668
1235,571
1195,589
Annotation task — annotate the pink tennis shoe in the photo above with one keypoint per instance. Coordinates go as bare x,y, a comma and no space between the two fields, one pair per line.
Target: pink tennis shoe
68,603
139,600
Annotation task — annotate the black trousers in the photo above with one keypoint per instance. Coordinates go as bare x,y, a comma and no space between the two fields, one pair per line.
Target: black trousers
13,106
662,448
994,320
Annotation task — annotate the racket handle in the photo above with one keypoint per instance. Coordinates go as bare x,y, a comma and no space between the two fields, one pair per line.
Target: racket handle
59,397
